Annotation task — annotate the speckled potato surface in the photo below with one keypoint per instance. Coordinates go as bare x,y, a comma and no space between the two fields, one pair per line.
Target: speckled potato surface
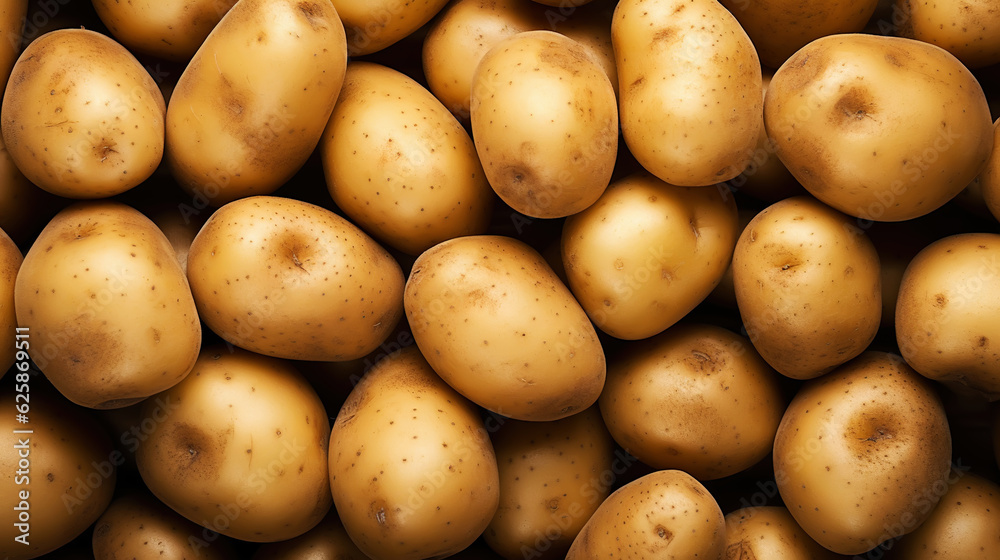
968,29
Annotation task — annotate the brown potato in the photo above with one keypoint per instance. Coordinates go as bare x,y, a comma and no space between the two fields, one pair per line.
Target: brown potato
969,29
172,30
770,532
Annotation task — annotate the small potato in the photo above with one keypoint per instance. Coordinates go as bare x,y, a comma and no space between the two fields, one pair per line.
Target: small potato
665,514
859,452
989,180
81,117
412,470
400,165
646,253
969,29
948,312
373,25
241,449
172,30
770,532
545,123
835,114
10,263
689,87
326,541
495,323
808,287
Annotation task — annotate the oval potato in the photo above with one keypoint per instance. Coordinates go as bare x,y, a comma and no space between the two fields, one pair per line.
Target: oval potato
373,25
969,29
170,30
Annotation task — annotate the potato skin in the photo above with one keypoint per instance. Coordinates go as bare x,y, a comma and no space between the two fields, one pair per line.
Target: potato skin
665,514
289,279
833,111
251,105
808,287
948,312
170,30
970,29
842,444
688,118
989,180
770,532
497,324
111,314
10,263
412,469
647,252
373,25
81,117
400,165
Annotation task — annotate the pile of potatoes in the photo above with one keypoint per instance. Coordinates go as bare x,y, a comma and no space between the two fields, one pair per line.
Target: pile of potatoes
500,279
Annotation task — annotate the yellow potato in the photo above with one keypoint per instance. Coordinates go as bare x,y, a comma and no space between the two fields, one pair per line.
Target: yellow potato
326,541
835,114
647,253
412,469
808,287
171,30
989,181
545,123
689,88
400,165
373,25
860,451
12,14
251,105
81,117
969,29
495,323
10,263
242,448
292,280
948,312
111,315
770,532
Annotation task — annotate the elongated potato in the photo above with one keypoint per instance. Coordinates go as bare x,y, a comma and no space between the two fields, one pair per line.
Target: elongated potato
172,30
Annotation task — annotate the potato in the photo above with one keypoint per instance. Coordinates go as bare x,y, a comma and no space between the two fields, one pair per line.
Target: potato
808,287
778,28
970,29
548,139
689,88
989,180
373,25
834,113
859,452
111,315
10,262
770,532
412,470
964,525
251,105
12,14
496,324
262,480
948,312
179,228
170,30
326,541
665,514
696,398
56,480
137,525
551,482
591,27
647,253
81,117
400,165
289,279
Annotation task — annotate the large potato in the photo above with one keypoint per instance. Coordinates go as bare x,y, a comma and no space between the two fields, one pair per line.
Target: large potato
10,263
251,105
400,165
289,279
948,312
545,123
689,88
646,253
497,324
969,29
373,25
81,117
808,287
770,532
111,315
412,470
241,449
172,29
860,451
835,114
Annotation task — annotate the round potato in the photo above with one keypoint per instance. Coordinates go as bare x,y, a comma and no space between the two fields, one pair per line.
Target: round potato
665,514
81,117
373,25
495,323
326,541
989,181
969,29
690,89
10,263
770,532
170,30
834,114
110,311
548,138
860,451
808,287
264,479
400,165
412,470
948,312
646,253
251,105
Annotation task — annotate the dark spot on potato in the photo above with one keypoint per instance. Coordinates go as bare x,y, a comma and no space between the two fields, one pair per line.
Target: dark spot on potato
665,35
855,105
940,301
190,450
563,56
313,13
663,533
